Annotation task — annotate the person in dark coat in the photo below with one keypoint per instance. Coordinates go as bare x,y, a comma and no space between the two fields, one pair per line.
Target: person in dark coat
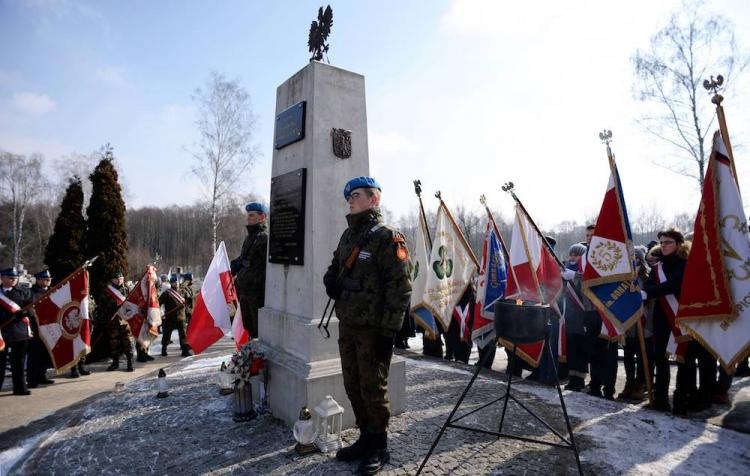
673,255
249,268
16,328
39,360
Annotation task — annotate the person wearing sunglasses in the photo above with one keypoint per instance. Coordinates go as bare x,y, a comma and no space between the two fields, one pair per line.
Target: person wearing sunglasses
369,281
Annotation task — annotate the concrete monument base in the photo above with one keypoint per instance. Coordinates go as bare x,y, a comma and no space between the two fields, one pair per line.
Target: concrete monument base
304,367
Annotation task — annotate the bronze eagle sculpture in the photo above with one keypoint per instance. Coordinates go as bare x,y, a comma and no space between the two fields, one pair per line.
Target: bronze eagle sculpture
319,31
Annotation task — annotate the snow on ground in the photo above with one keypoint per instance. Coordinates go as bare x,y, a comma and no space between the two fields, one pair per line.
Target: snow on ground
10,456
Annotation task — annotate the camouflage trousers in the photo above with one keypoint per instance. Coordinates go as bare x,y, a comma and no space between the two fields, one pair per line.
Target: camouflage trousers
170,325
119,339
366,361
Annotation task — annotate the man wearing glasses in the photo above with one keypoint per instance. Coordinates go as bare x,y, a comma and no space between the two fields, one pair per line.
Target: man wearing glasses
369,280
664,283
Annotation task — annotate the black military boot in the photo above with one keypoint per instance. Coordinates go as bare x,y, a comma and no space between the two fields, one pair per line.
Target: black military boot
130,364
141,355
377,454
82,370
354,451
114,365
74,373
164,351
186,352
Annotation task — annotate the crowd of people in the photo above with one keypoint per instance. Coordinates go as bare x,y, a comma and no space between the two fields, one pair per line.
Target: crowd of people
29,357
593,349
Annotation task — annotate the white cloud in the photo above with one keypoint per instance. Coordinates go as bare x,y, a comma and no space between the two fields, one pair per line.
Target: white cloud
113,76
33,104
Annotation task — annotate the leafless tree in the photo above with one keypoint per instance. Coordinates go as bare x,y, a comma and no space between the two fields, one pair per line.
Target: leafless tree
20,180
669,75
646,223
225,149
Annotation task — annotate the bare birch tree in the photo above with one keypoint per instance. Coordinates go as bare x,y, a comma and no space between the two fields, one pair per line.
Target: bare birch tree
225,149
669,75
20,181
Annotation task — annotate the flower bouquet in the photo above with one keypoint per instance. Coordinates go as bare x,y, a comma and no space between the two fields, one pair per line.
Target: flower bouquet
246,366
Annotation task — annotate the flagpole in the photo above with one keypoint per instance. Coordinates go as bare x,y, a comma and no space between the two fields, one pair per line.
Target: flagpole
713,85
509,187
418,191
646,368
86,264
606,137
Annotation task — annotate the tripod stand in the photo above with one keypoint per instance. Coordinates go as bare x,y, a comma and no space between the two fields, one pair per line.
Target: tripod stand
451,422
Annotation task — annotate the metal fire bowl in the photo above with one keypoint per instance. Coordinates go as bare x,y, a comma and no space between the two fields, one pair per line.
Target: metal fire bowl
522,324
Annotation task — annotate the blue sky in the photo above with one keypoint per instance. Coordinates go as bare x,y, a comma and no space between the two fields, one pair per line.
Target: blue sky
463,95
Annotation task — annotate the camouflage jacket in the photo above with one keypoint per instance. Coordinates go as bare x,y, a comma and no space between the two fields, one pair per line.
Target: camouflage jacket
375,292
186,290
174,309
250,267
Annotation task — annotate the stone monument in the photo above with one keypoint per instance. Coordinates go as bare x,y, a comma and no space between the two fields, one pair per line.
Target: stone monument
320,142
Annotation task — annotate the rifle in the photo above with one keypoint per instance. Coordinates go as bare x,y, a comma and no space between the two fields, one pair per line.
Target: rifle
348,265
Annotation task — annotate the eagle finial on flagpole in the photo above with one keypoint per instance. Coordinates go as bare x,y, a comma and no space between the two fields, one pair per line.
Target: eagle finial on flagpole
483,200
713,86
439,196
606,137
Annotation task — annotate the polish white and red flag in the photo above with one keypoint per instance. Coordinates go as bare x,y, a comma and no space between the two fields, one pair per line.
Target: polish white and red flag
535,276
714,304
63,318
141,309
212,312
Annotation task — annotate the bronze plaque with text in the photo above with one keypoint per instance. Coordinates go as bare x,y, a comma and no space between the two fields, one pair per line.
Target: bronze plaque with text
286,234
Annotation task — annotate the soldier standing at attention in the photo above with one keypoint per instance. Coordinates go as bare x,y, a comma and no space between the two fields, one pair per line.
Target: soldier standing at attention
16,328
186,290
369,280
174,317
117,330
249,268
39,360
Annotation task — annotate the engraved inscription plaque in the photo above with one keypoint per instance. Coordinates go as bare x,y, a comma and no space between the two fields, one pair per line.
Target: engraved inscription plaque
290,126
286,234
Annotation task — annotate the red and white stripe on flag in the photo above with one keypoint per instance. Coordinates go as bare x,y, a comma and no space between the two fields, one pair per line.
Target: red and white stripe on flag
535,277
141,309
211,316
63,318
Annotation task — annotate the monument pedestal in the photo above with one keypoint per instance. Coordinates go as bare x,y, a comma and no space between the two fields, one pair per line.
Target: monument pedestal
303,365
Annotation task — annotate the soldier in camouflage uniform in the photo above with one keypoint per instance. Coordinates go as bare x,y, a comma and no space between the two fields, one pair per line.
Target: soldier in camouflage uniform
186,290
249,268
116,330
372,291
174,317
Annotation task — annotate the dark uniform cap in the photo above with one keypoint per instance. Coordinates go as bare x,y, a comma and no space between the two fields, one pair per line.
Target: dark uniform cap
188,275
256,207
360,182
116,274
173,278
9,272
43,275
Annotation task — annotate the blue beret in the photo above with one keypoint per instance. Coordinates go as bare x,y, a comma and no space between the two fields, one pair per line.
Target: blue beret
360,182
188,275
173,278
256,207
43,275
9,272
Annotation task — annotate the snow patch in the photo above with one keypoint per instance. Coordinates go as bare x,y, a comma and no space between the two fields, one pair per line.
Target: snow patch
11,456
